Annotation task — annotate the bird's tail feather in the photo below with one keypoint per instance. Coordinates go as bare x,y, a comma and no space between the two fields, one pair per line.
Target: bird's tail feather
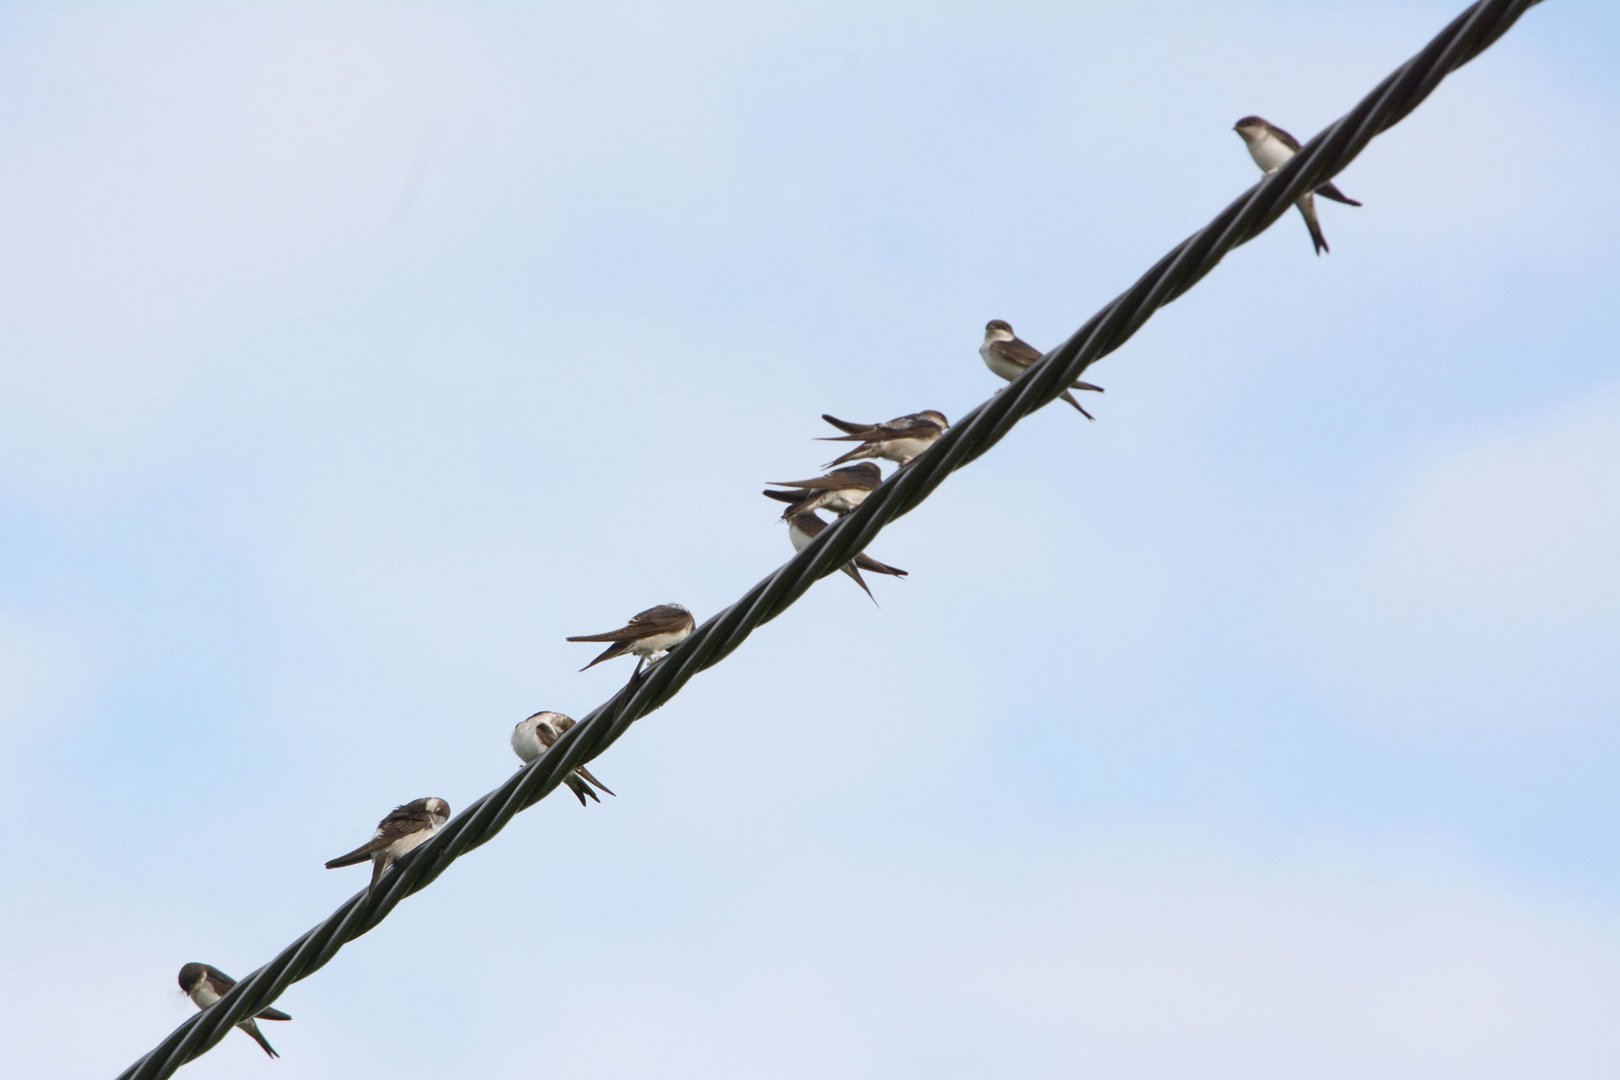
1307,210
586,773
608,653
580,788
258,1036
849,568
1070,398
845,425
353,858
861,451
1330,191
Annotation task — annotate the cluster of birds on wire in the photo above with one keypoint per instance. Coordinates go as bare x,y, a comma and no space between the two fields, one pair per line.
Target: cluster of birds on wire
650,634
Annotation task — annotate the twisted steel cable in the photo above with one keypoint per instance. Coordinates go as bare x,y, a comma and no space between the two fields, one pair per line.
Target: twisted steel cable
1468,35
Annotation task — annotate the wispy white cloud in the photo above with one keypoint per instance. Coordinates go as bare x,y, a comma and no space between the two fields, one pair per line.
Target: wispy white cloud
1341,956
48,679
203,164
1483,589
1083,952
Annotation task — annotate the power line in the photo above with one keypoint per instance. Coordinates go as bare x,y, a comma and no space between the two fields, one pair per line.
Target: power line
1470,34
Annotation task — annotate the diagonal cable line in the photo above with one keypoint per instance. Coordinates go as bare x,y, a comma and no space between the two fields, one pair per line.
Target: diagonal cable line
1468,35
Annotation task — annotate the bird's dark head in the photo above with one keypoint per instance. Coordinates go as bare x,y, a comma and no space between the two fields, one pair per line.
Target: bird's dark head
1251,128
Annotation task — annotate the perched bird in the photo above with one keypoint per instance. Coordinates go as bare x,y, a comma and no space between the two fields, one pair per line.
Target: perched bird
804,527
534,736
206,984
648,633
404,829
1271,147
840,491
1009,356
899,440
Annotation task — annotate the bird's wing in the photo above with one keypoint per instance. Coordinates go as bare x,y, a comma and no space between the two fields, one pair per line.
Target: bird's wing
218,981
1287,139
1018,351
912,426
402,821
660,620
808,523
547,733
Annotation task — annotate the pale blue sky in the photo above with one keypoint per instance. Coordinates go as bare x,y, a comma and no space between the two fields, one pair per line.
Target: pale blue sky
1267,727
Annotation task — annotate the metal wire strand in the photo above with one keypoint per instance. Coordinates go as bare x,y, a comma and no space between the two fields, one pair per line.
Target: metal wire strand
1317,162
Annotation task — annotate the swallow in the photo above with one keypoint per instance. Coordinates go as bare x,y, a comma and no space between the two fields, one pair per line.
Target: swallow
1271,147
534,736
899,440
1009,356
840,491
650,632
805,526
205,984
404,829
